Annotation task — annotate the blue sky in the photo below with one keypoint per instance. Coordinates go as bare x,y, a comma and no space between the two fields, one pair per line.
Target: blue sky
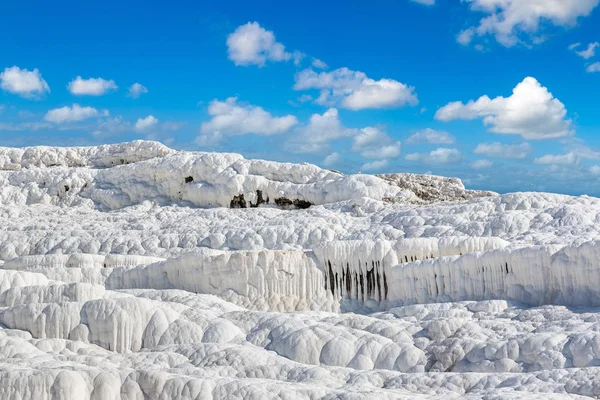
408,86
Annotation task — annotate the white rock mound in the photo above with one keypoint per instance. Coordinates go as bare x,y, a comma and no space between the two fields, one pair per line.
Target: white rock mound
125,273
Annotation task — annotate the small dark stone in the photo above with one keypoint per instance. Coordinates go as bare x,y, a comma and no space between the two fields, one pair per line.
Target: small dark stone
189,179
238,202
283,202
302,203
67,188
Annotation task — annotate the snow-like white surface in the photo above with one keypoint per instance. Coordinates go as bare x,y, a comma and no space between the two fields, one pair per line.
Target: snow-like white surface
125,275
431,187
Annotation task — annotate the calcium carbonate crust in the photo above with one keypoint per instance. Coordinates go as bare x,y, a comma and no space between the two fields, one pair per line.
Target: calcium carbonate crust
126,274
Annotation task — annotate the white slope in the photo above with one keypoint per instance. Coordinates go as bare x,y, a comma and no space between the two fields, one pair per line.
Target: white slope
125,275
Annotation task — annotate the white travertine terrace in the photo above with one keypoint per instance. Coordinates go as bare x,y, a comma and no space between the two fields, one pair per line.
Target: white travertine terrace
125,274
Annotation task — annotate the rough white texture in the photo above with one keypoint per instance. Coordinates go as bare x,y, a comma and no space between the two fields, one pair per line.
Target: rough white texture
434,188
122,278
97,157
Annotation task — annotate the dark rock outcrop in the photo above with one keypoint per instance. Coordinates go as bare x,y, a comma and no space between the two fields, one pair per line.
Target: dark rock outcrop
259,199
238,202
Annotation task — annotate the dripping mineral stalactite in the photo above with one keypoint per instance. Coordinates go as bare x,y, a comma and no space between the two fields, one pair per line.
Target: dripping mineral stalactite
378,284
348,281
385,286
331,279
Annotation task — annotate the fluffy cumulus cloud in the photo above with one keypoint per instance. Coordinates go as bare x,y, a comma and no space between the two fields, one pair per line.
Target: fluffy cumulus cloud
374,143
595,67
332,159
374,165
321,129
136,90
25,83
512,22
576,151
230,118
499,150
146,124
251,44
91,86
482,164
354,90
74,113
438,156
431,136
561,159
531,111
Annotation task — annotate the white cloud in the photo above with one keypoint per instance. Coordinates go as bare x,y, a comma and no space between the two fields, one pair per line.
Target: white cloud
24,126
519,21
229,118
149,126
576,152
574,46
72,114
374,165
499,150
438,156
531,111
318,64
136,90
25,83
482,164
298,56
251,44
595,67
90,87
465,37
320,130
374,143
431,136
332,159
424,2
562,159
145,124
589,52
595,170
354,90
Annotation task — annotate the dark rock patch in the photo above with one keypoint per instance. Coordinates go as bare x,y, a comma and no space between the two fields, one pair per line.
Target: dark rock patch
189,179
302,203
259,199
283,202
238,202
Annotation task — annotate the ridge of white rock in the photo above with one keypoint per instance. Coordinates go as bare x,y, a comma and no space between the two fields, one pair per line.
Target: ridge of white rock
103,156
434,188
125,274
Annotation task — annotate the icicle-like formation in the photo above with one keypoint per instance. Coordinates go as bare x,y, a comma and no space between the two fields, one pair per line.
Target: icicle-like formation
263,280
358,270
534,275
